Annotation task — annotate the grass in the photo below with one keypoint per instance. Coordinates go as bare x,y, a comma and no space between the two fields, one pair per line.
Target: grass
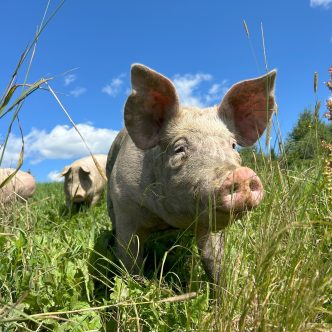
277,272
58,273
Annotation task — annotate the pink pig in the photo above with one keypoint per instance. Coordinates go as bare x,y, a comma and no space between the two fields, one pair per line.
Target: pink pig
177,166
84,183
21,186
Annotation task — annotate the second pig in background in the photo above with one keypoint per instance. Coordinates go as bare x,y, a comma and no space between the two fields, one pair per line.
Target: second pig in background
19,188
84,182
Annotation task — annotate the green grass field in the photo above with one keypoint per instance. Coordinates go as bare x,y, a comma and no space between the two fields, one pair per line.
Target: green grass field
57,272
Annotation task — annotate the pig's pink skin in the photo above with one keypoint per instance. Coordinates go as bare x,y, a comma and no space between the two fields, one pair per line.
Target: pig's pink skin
173,166
241,190
21,187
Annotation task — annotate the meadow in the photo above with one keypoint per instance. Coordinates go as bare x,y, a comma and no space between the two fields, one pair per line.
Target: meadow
58,273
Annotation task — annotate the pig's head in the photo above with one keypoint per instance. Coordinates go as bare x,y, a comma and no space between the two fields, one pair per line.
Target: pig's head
77,184
196,163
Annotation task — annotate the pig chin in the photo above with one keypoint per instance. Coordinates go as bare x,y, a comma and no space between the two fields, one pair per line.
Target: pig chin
79,199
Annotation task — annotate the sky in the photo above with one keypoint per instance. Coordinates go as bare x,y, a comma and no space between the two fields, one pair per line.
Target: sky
89,46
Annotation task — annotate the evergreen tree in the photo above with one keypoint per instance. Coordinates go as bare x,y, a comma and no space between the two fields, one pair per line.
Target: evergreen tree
304,141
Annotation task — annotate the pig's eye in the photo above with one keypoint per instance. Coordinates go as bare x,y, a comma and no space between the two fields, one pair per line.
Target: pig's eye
179,154
180,149
234,146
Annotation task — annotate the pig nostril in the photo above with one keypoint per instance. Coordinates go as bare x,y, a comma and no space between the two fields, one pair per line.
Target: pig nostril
233,188
254,185
236,187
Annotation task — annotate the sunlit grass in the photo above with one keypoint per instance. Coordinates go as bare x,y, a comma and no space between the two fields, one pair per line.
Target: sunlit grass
58,272
277,272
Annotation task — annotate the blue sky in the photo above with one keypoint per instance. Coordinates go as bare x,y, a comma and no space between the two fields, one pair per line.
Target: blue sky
202,46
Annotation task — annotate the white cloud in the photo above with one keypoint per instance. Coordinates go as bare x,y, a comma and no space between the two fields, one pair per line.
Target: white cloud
12,151
322,3
70,78
55,176
188,86
114,88
62,142
78,91
216,92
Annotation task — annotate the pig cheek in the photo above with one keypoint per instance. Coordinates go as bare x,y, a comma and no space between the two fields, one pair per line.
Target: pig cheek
86,184
178,182
68,186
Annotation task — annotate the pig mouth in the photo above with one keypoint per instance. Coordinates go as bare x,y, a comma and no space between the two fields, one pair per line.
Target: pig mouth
79,199
220,219
232,213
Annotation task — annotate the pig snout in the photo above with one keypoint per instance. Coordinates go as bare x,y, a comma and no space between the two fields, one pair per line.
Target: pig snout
241,190
79,195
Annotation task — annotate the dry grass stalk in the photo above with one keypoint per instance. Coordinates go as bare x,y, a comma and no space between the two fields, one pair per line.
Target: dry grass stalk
328,114
328,165
326,145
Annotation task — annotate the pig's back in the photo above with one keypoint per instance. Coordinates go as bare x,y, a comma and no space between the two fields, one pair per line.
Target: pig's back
88,161
22,184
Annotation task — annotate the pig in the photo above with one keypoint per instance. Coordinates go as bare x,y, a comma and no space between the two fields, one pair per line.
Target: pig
174,166
84,183
20,187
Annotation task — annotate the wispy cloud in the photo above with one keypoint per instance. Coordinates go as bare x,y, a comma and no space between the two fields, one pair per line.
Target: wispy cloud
55,176
70,78
191,92
78,91
187,86
115,87
216,92
62,142
320,3
12,151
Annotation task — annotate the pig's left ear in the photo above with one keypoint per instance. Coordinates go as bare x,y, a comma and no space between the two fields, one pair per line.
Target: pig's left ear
85,169
152,102
66,170
248,106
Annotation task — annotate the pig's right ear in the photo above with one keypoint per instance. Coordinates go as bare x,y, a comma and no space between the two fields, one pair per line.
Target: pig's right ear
248,106
152,102
85,169
66,170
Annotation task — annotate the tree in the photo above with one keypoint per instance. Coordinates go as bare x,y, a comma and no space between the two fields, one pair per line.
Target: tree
304,141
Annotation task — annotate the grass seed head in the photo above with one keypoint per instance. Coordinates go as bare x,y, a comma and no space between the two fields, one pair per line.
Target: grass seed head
328,165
